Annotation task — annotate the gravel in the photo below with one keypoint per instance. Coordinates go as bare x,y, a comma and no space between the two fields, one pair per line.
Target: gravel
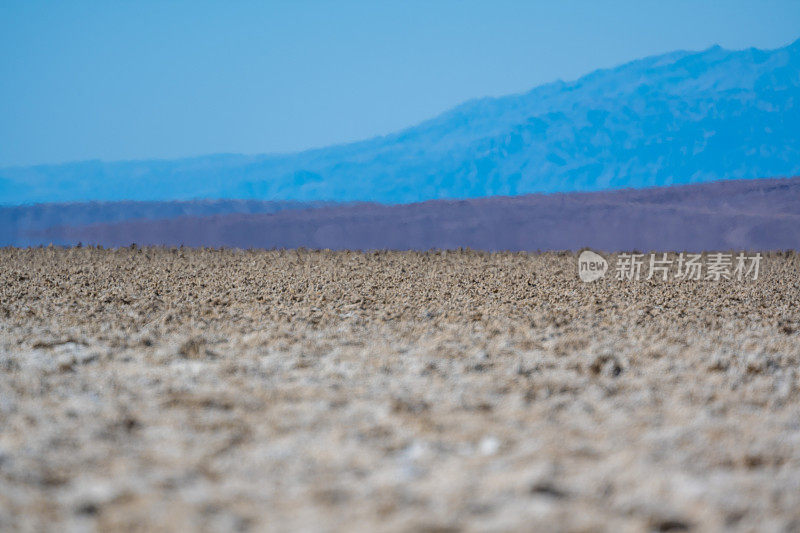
219,390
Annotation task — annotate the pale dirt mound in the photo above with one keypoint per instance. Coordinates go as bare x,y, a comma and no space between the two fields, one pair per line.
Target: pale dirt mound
230,390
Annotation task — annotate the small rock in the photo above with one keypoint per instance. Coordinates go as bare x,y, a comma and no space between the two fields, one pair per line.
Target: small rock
65,362
606,364
545,488
195,348
489,446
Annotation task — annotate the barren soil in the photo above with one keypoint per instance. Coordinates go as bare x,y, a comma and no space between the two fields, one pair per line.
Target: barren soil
177,389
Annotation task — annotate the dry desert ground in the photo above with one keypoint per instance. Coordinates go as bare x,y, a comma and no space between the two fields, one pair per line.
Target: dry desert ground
222,390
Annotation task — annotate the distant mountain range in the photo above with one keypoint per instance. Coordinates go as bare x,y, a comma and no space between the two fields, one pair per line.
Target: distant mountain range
683,117
18,223
726,215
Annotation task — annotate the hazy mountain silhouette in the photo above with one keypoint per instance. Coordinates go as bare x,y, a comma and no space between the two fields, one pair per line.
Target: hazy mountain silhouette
682,117
740,214
17,222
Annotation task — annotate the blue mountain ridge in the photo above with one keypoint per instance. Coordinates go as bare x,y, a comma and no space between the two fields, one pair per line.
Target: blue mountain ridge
682,117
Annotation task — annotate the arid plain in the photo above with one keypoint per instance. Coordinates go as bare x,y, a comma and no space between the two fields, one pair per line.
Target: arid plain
177,389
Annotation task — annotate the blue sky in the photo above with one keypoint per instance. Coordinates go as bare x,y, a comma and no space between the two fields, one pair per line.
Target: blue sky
130,80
